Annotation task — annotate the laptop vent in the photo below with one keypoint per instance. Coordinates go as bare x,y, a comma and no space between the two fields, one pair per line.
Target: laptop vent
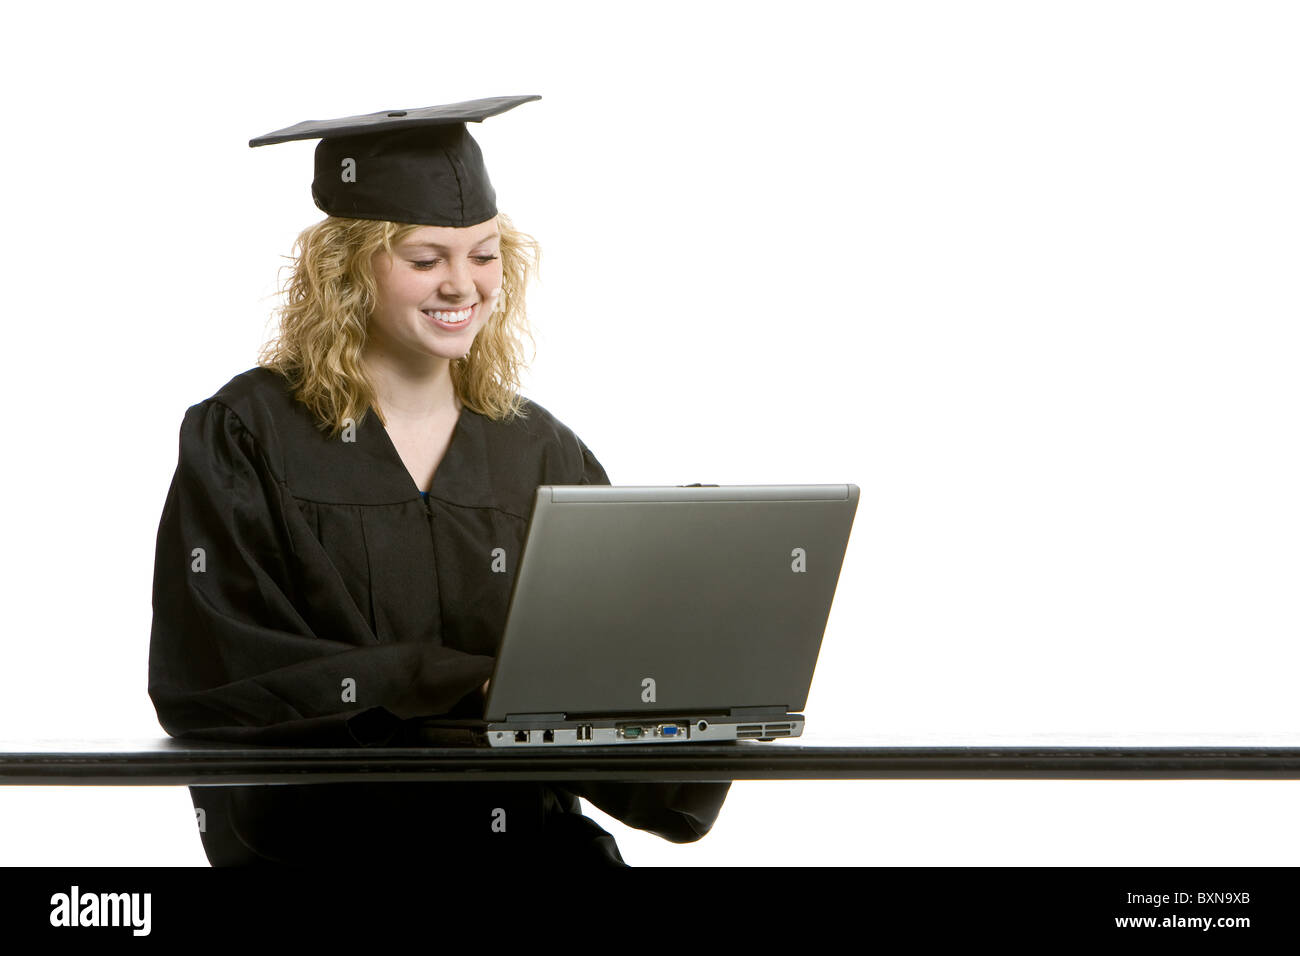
765,730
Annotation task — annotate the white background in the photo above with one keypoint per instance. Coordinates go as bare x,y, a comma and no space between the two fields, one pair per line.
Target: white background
1023,271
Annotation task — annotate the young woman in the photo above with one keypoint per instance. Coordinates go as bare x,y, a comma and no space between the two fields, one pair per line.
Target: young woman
329,560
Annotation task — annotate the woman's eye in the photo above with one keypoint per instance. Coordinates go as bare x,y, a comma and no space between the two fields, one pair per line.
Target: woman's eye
430,263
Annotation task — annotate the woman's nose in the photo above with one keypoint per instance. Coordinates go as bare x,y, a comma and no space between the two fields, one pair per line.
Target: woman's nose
458,282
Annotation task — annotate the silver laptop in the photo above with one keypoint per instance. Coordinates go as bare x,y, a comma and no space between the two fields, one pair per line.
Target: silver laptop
664,615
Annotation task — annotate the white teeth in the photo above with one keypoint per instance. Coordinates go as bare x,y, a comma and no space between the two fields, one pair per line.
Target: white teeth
460,316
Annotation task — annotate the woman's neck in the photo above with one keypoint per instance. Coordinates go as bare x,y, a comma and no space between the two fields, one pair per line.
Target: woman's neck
412,391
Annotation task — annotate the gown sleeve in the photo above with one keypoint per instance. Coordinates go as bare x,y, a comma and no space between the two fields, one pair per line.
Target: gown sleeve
231,656
677,812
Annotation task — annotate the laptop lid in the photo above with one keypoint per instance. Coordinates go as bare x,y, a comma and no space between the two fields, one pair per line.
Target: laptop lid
641,600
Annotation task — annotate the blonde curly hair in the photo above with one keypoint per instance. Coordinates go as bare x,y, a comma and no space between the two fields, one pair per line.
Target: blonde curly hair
330,296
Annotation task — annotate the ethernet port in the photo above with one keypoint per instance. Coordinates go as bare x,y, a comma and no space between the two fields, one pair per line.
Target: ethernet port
548,736
521,736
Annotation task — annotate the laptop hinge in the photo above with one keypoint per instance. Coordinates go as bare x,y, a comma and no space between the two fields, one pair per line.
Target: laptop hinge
753,713
534,718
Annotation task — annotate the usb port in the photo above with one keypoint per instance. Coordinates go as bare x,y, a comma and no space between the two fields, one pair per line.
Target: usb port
584,731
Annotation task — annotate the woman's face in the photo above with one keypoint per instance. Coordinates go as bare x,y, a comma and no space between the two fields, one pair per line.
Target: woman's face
425,288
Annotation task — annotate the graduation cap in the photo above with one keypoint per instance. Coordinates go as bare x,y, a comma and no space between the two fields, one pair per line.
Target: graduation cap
417,166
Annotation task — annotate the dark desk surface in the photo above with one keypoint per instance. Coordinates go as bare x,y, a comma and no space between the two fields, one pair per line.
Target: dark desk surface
164,761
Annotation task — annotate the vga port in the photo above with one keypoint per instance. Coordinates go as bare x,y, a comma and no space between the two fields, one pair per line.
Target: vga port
637,731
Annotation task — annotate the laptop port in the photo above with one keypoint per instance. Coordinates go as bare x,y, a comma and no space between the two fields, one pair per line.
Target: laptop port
548,736
584,731
521,736
629,732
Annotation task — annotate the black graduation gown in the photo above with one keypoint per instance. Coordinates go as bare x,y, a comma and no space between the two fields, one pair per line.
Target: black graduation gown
306,593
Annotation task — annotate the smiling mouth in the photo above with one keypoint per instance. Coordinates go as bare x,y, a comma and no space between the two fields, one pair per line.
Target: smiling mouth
458,317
